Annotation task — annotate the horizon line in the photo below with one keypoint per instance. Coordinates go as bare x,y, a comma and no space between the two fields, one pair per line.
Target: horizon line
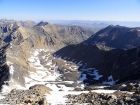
71,20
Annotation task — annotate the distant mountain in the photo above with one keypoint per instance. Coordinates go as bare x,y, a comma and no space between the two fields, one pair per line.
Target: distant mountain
65,34
26,24
48,32
42,23
116,37
9,32
5,21
89,25
98,22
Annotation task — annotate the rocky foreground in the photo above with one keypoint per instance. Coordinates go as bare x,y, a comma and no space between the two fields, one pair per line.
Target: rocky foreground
35,95
126,94
92,98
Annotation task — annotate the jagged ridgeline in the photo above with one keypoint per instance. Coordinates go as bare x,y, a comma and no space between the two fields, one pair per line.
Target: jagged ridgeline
116,37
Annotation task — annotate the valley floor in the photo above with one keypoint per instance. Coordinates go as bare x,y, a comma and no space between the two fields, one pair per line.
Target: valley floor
66,85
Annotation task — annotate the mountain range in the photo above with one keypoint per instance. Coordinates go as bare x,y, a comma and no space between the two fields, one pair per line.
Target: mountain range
56,54
78,43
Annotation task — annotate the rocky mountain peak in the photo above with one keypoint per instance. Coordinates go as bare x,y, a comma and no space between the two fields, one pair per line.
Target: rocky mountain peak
42,23
111,25
116,26
15,25
116,37
9,27
4,19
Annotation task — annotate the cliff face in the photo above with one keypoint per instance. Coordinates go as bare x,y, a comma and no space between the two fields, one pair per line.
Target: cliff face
4,68
10,72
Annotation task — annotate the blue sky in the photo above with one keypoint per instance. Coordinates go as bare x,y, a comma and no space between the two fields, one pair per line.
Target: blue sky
108,10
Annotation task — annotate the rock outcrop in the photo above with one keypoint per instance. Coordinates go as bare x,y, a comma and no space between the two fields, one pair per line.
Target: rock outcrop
92,98
33,96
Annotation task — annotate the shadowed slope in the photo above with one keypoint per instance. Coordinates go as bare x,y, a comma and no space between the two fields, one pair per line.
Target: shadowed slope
117,63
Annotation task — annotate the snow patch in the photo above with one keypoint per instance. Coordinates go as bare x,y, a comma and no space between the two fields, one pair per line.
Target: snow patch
110,81
79,63
83,77
11,45
123,85
11,69
104,91
36,53
95,73
57,96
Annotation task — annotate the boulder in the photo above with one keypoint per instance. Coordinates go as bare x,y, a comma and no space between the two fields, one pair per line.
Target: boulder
41,88
130,88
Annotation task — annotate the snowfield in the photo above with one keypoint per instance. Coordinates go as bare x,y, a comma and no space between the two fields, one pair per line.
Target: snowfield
50,76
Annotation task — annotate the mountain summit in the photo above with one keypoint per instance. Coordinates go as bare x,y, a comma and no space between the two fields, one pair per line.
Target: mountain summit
42,23
116,37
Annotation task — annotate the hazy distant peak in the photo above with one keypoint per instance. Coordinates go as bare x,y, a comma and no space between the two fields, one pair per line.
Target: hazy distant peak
115,26
4,19
111,25
42,23
118,26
